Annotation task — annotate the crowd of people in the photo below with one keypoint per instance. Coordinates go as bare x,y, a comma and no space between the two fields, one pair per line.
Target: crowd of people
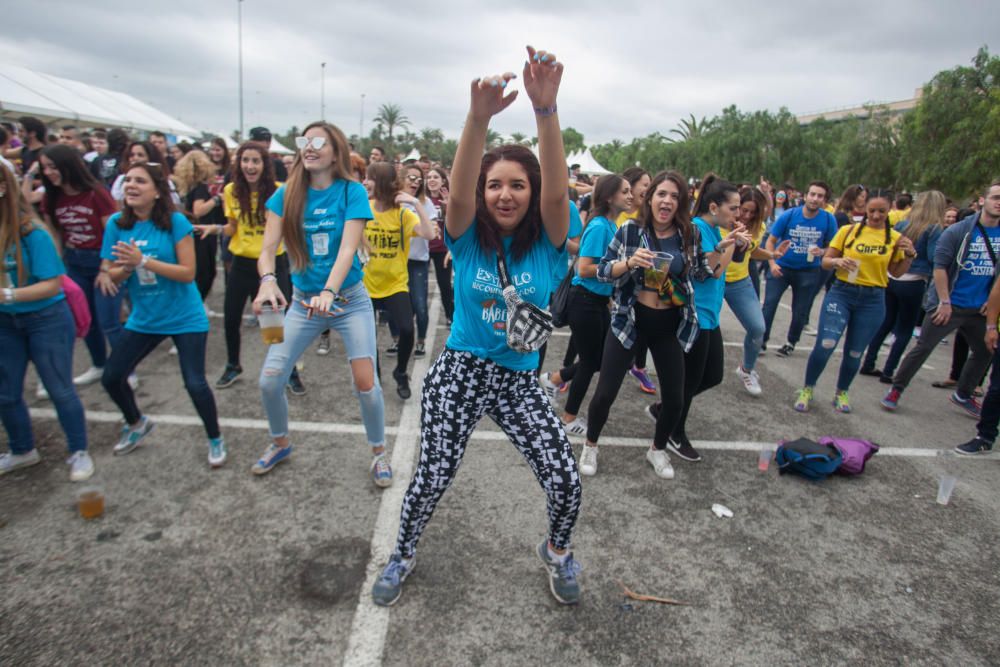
120,239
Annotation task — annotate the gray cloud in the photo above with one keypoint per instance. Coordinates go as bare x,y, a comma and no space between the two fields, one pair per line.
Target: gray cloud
631,69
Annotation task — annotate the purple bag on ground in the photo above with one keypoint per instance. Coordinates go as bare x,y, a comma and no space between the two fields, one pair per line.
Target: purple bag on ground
855,452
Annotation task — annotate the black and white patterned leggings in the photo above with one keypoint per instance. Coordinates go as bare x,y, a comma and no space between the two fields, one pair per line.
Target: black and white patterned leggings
458,390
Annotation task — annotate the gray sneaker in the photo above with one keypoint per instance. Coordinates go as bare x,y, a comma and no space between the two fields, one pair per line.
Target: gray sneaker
131,436
10,462
389,585
563,580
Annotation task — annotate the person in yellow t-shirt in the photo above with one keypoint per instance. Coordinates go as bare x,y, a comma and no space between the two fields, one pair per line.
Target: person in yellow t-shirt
740,294
863,255
904,204
253,182
387,240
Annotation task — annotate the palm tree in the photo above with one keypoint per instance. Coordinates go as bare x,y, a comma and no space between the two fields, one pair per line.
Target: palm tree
518,138
391,116
689,128
493,139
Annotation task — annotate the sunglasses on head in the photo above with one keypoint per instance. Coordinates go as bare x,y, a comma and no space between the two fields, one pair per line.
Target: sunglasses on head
303,143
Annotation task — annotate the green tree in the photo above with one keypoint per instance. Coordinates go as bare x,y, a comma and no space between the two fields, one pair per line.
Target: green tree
572,140
689,128
518,138
391,117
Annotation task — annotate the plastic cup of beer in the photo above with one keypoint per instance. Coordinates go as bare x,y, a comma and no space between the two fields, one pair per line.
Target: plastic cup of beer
764,458
272,324
90,502
945,487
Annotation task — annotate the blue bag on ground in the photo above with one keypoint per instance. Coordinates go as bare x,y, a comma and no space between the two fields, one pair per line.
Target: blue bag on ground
807,458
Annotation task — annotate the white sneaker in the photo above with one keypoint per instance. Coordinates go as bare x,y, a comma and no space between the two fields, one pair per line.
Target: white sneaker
172,350
588,461
89,376
660,460
576,427
751,381
133,381
81,466
550,389
809,330
40,393
10,462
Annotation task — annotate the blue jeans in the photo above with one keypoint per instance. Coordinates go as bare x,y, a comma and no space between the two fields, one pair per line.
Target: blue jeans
82,266
856,309
990,416
356,327
133,347
903,310
745,304
419,271
45,338
803,284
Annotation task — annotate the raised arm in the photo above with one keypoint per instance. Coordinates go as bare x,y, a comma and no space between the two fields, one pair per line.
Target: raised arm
542,75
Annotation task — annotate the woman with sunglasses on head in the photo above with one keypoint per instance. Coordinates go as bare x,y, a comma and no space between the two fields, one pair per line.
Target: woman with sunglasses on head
863,254
437,192
243,200
149,247
505,208
36,325
77,207
389,235
320,215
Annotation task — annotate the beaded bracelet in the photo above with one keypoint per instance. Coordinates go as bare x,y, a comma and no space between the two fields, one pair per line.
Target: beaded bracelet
545,112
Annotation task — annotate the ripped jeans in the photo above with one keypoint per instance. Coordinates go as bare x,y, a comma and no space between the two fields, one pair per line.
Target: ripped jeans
859,311
356,327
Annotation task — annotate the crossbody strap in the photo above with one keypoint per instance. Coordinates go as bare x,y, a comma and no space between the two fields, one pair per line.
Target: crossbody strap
502,271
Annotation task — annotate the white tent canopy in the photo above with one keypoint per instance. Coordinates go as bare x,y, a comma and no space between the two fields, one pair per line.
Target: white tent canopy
51,98
588,165
277,148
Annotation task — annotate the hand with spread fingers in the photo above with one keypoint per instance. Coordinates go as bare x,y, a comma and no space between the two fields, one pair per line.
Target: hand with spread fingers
542,75
488,97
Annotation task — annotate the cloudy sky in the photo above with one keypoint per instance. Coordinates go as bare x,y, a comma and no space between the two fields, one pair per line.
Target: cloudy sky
631,68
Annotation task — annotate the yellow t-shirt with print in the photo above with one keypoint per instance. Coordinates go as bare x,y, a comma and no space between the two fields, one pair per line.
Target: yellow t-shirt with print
895,217
624,216
249,237
739,270
868,246
388,234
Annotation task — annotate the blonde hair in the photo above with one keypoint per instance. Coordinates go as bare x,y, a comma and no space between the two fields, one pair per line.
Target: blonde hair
927,211
192,170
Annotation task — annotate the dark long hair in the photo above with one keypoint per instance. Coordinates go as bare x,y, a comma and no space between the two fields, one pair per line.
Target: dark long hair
163,207
682,217
846,203
224,165
714,190
760,201
385,186
875,193
155,156
73,171
529,229
242,190
604,191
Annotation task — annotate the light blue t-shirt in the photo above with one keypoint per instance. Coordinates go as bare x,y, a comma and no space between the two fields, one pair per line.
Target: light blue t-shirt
41,262
575,229
975,275
709,293
325,213
793,224
480,322
159,305
596,238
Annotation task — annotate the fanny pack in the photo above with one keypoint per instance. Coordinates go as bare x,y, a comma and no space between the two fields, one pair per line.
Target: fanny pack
528,326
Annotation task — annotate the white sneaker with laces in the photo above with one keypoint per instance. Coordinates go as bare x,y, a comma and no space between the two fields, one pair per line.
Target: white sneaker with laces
10,462
660,460
576,427
89,376
81,466
551,390
751,381
809,330
588,461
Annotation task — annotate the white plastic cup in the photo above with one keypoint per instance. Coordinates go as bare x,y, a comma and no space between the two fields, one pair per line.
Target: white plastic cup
272,324
764,458
945,487
810,257
661,261
852,275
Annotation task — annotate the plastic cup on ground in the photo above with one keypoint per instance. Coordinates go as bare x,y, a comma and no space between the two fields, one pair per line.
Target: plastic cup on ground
764,458
945,487
272,324
90,502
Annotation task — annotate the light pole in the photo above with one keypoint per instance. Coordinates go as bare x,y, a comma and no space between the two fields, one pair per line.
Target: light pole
239,39
361,125
322,92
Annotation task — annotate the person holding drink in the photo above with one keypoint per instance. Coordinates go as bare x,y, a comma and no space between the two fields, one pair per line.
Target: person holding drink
149,247
320,215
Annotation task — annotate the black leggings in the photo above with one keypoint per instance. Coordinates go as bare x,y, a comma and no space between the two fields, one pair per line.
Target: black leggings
703,366
401,315
205,252
242,284
658,330
443,275
589,319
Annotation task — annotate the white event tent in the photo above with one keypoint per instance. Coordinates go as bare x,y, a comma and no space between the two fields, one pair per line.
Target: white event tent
588,165
24,92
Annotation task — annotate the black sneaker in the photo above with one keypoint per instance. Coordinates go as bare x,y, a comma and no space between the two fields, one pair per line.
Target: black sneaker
870,371
392,350
295,384
683,448
785,350
419,351
975,446
653,411
885,379
402,385
229,376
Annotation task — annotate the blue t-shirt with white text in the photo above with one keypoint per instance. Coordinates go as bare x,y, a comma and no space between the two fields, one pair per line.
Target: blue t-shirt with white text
480,322
41,262
325,214
594,244
159,305
975,275
803,232
708,293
